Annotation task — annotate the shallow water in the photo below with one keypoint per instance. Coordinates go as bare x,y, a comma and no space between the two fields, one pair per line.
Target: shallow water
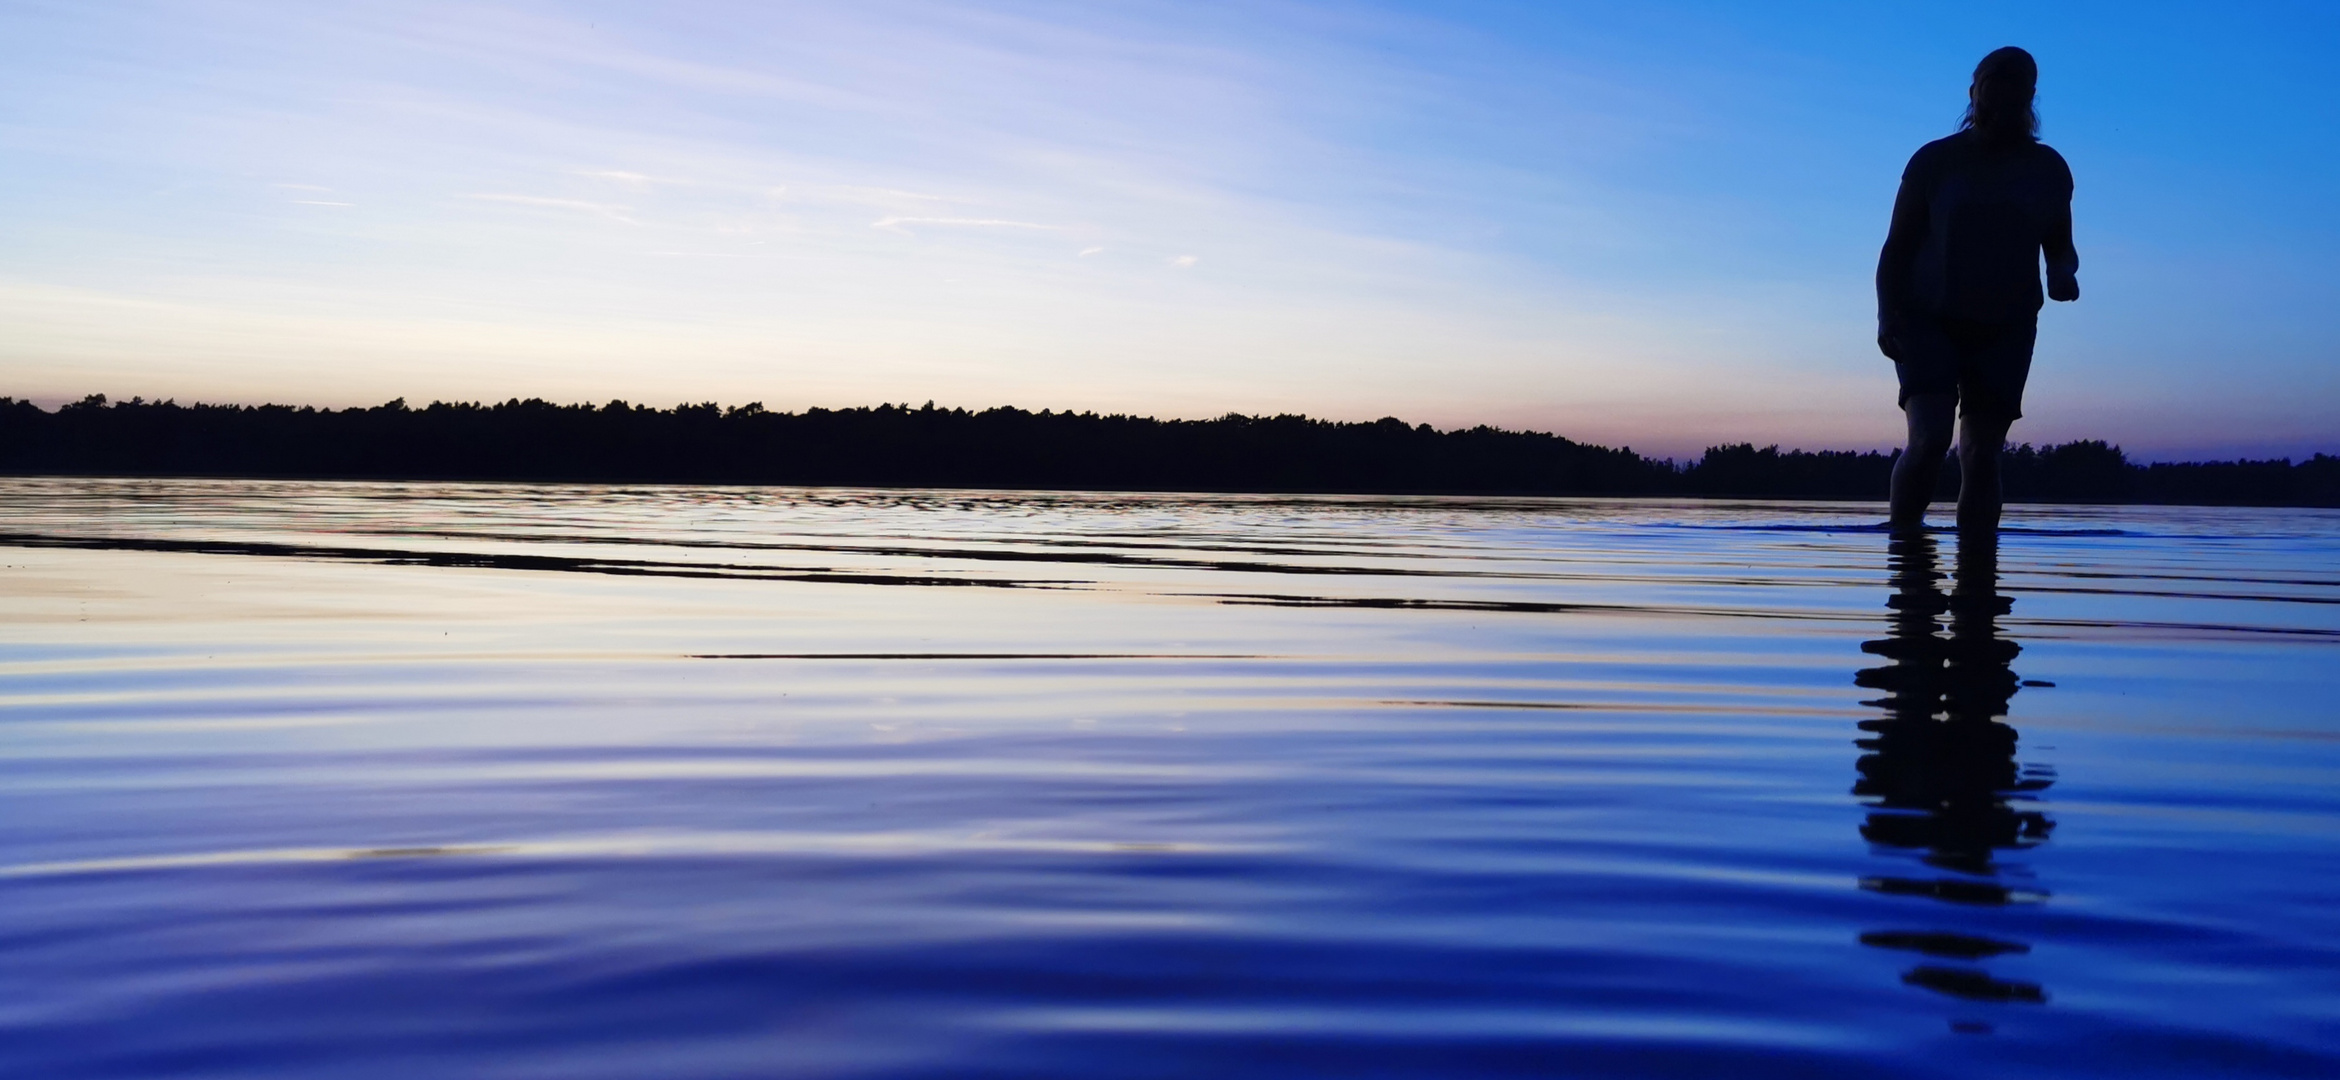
397,780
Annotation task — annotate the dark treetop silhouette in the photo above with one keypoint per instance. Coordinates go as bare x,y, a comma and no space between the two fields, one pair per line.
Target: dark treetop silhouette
898,446
1958,294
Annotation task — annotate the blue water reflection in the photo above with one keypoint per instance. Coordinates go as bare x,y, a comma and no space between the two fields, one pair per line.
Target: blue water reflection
479,780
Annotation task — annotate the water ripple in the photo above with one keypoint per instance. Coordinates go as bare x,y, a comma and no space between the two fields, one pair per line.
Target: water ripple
394,780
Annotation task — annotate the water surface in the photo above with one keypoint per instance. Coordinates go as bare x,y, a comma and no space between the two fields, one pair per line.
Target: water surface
408,780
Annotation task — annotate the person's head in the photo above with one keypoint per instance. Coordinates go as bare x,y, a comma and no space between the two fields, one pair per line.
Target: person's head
1998,105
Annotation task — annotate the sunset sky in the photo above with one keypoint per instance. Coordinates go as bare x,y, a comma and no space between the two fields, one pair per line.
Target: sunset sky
1644,224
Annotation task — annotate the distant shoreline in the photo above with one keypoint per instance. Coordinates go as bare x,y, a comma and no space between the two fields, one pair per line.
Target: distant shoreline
897,446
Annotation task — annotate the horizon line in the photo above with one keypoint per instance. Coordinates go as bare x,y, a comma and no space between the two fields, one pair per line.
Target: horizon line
758,407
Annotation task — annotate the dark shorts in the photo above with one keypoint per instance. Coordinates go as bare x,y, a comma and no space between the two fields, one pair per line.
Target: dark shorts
1983,364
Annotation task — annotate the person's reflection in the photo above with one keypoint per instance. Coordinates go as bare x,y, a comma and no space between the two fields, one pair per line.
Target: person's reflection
1940,775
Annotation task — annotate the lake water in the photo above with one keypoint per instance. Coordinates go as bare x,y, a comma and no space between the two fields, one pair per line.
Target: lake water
407,780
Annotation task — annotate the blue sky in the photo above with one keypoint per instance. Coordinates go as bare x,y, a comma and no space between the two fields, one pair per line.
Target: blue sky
1648,224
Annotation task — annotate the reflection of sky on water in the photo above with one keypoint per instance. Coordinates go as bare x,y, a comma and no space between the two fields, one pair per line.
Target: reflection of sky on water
469,779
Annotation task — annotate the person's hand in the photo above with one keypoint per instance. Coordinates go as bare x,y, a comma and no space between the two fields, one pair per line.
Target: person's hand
1889,341
2063,287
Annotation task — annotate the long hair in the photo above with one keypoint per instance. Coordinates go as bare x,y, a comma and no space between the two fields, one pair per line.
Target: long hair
2000,106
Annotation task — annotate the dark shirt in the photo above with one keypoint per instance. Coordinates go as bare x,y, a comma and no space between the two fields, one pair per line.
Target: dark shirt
1968,228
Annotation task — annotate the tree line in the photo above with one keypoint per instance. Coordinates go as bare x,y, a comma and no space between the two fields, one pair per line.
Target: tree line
1010,448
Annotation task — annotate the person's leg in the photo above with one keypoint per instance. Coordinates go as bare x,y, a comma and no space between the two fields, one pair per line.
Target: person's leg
1991,396
1920,464
1980,439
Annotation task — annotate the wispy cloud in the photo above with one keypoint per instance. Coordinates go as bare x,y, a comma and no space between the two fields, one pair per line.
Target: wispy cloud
611,211
635,180
1184,262
884,200
300,187
903,224
319,202
1086,252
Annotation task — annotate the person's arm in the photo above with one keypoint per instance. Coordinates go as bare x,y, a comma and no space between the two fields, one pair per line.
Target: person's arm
2063,260
1897,263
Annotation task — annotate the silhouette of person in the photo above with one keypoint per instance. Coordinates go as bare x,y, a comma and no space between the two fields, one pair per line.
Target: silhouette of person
1958,293
1939,773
